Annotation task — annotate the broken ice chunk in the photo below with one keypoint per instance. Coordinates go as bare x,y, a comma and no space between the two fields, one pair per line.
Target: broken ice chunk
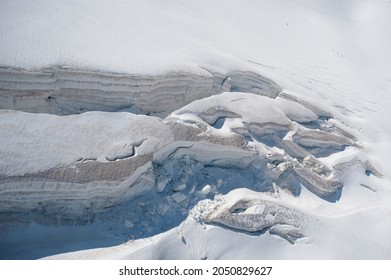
205,190
179,188
178,197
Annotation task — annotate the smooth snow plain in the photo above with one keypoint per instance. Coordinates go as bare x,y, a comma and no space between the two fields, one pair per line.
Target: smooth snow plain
212,179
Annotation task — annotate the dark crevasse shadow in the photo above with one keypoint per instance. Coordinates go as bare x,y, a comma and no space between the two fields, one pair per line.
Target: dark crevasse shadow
144,216
34,241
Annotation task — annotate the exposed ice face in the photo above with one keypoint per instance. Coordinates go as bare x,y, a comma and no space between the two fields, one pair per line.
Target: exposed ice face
252,212
287,137
71,91
40,142
151,172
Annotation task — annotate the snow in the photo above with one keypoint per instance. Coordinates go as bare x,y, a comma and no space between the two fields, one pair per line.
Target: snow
330,58
112,134
148,35
254,108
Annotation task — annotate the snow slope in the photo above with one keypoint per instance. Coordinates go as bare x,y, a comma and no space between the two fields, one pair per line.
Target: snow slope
304,160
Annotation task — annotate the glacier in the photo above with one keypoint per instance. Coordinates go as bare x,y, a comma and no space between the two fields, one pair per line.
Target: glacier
195,130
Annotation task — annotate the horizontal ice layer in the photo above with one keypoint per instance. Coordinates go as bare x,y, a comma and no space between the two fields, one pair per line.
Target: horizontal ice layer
68,168
64,92
38,142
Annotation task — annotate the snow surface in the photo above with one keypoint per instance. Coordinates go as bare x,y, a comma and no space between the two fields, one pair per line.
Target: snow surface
330,56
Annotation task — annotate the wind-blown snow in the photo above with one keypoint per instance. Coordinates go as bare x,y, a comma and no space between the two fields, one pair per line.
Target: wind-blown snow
277,136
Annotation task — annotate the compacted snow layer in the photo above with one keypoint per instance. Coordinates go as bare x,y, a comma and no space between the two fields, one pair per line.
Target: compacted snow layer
65,92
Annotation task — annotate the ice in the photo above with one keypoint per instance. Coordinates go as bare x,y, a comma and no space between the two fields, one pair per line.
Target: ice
251,213
262,129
